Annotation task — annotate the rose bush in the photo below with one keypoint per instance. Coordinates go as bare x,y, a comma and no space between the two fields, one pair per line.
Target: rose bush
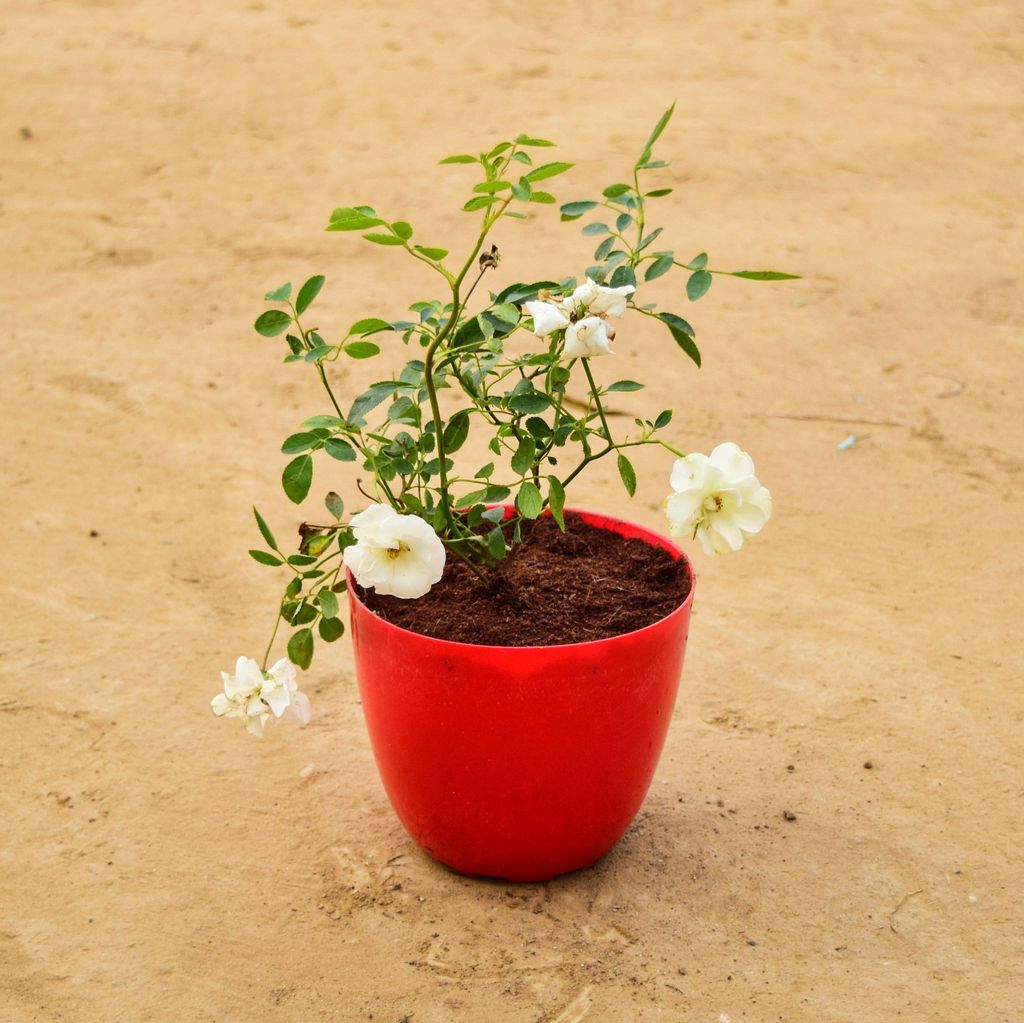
504,366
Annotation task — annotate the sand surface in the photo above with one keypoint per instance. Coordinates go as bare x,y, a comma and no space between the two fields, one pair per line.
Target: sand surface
164,164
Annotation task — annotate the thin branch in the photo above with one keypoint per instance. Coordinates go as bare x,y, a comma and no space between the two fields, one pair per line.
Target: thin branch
809,417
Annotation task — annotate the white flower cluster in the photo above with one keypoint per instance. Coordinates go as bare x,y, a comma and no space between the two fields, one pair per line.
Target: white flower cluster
255,696
583,316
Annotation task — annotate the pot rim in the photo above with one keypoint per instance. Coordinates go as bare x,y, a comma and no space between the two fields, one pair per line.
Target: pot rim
662,541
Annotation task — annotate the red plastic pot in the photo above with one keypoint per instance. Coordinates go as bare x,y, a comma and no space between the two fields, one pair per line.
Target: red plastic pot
519,762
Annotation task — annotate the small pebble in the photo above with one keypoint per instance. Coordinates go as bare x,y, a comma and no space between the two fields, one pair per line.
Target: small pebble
751,942
868,765
788,815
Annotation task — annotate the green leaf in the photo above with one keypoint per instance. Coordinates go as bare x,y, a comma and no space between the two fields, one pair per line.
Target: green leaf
264,558
698,285
528,500
264,529
699,262
625,385
331,629
383,239
605,247
658,193
460,158
622,221
623,275
370,325
328,603
369,400
547,170
490,187
279,294
496,546
325,423
664,418
517,293
308,292
656,134
660,266
683,334
434,254
272,322
627,473
402,229
648,238
522,190
526,140
761,275
300,648
522,460
529,402
316,545
335,505
507,312
455,432
362,350
316,354
575,210
556,501
595,228
297,478
299,442
340,449
347,218
543,197
614,191
479,203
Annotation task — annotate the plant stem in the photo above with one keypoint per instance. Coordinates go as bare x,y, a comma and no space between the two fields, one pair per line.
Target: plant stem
597,399
273,636
330,393
428,372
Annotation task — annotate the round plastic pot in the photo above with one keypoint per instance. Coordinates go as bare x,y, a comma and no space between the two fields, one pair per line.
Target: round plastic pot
519,762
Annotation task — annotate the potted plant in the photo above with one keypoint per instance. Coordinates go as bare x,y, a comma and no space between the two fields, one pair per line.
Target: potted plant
518,661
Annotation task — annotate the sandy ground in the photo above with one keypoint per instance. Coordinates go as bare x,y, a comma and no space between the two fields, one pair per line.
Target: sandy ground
164,164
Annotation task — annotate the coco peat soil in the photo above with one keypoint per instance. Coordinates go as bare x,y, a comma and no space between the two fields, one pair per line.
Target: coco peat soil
554,588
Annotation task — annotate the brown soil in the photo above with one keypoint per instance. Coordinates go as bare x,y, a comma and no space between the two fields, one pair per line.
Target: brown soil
584,584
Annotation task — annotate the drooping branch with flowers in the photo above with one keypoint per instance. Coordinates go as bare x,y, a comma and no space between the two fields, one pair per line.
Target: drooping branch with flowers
511,365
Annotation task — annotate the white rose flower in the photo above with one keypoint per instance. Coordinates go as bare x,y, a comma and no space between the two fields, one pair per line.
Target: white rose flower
611,301
717,499
255,696
585,294
589,299
281,694
547,317
588,337
394,554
